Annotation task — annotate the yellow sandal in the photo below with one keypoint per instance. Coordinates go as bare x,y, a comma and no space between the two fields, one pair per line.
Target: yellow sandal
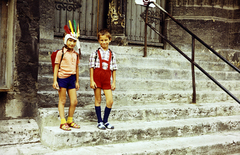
65,127
74,125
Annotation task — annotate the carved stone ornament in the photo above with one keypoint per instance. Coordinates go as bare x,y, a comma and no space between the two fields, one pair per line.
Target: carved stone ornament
114,15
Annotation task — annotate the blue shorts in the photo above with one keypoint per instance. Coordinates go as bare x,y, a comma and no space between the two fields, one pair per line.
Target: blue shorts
68,83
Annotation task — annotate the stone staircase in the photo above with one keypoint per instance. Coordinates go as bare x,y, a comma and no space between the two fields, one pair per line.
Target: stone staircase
151,113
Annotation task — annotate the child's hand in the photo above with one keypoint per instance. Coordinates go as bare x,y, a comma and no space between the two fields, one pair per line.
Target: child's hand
113,87
93,85
78,44
55,85
77,85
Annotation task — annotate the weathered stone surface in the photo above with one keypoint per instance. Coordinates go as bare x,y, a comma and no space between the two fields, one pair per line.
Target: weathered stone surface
225,144
211,21
23,92
50,116
55,138
19,131
221,143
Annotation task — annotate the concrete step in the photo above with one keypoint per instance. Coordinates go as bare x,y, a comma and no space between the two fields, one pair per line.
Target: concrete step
125,132
223,143
125,84
150,72
125,98
25,149
158,62
19,131
154,112
44,55
47,46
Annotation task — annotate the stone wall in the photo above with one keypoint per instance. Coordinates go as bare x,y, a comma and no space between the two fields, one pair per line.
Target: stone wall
215,22
46,23
21,101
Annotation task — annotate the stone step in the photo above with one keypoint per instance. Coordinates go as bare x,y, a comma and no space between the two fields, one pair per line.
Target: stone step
158,62
125,132
226,143
137,51
151,72
19,131
86,98
154,112
125,84
44,56
26,149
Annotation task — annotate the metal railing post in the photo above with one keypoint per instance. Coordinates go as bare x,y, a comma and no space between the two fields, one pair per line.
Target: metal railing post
145,39
193,72
194,64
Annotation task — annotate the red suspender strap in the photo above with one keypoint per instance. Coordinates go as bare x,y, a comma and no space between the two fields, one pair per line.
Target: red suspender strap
110,57
100,59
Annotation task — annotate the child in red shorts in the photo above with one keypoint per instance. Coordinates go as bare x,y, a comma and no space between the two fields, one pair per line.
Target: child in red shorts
66,75
102,64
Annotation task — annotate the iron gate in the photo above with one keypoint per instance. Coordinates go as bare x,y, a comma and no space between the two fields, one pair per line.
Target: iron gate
135,24
84,12
92,15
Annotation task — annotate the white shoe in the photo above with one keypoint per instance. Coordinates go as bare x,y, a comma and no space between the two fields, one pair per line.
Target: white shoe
101,126
108,126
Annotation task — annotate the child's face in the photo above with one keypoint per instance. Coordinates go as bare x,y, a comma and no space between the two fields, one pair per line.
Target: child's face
71,43
104,41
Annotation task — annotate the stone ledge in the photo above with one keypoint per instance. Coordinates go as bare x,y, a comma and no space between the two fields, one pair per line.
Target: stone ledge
19,131
153,112
125,132
220,143
132,98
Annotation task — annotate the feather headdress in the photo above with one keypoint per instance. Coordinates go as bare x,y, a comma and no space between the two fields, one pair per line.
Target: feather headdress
71,34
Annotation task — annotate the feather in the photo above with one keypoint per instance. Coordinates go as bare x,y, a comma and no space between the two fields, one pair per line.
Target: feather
75,26
70,24
67,29
78,31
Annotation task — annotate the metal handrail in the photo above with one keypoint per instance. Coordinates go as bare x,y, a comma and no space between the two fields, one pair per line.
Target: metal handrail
193,51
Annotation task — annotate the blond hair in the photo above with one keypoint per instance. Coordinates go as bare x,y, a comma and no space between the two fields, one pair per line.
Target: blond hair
104,32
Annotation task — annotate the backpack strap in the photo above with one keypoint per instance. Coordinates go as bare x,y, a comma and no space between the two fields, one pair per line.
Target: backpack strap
61,57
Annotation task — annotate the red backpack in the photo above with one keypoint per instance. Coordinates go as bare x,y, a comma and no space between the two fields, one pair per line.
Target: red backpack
53,57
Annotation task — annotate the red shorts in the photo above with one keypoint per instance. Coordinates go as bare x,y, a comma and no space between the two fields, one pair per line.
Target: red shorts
102,78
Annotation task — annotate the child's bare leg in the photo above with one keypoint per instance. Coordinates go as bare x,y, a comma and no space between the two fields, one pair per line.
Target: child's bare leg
61,102
73,101
109,99
108,108
97,94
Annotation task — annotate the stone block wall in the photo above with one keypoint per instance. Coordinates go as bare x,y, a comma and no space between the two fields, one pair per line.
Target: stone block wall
215,22
21,100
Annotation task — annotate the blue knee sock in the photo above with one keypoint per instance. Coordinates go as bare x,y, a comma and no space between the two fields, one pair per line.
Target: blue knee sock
98,112
106,114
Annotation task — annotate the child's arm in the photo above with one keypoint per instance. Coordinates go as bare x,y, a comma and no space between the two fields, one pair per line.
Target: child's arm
55,83
92,83
77,78
113,80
